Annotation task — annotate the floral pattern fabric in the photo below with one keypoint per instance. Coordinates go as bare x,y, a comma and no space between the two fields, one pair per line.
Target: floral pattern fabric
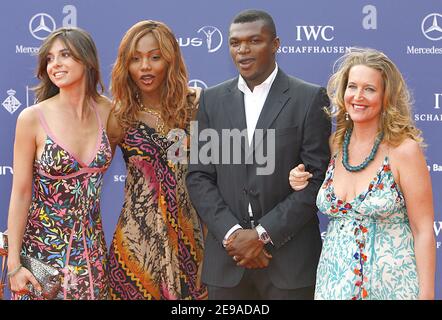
157,249
368,252
64,226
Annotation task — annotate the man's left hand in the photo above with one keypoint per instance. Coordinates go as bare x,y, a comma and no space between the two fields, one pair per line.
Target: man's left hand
245,246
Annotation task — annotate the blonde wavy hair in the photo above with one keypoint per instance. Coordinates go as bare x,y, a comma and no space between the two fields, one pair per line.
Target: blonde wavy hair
82,48
396,117
175,109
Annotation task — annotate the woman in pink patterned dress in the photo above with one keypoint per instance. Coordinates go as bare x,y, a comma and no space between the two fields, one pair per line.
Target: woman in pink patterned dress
61,152
157,248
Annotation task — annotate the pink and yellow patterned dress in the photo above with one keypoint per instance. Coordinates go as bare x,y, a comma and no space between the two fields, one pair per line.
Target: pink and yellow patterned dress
64,226
157,247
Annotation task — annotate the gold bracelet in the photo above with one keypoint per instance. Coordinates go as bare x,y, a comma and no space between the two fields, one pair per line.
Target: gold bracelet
13,272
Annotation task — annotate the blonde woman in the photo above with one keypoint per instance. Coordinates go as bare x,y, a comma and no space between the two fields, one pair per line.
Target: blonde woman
377,191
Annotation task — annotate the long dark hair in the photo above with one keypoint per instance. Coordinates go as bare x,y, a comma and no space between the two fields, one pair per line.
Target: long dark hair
82,49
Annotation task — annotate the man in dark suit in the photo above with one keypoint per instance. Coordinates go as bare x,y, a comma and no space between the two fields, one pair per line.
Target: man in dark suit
263,239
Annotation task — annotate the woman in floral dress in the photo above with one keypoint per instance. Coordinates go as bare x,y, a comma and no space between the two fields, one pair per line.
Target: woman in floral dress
157,249
61,152
377,191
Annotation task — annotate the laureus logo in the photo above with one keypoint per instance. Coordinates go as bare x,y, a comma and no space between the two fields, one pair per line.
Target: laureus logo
214,38
209,35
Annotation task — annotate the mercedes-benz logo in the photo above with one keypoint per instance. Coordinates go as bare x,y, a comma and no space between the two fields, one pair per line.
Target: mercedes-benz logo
209,31
431,26
41,25
195,83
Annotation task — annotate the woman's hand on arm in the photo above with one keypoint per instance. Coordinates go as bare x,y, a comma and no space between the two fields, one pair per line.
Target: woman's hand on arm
298,177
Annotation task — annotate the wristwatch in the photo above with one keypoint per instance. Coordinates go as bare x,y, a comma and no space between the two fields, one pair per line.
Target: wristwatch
263,236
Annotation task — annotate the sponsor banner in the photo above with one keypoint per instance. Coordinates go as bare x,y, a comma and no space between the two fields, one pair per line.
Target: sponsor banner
438,233
311,41
208,37
197,83
6,170
14,100
431,28
41,24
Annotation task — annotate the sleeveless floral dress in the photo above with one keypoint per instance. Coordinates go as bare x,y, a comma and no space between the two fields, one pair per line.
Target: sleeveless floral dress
64,226
368,252
157,247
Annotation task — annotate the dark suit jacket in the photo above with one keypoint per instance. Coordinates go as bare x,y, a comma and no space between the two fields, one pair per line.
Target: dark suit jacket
221,192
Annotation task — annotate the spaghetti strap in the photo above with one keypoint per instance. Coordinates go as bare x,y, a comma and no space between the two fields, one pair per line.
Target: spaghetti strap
43,122
388,151
94,106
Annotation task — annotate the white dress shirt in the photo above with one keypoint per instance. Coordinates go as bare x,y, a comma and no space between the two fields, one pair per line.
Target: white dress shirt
253,104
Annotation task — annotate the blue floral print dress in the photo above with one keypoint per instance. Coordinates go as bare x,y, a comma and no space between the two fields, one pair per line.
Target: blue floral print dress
368,252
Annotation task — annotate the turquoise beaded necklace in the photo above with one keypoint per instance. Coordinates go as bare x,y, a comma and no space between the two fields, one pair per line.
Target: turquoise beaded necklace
367,160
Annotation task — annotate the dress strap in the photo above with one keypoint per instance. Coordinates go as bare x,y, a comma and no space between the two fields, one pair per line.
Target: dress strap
44,124
332,163
49,132
62,145
94,106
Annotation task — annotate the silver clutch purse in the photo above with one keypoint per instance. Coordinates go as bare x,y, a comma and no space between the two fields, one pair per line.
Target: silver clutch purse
47,276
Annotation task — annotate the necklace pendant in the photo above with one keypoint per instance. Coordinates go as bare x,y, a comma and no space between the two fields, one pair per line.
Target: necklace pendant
159,123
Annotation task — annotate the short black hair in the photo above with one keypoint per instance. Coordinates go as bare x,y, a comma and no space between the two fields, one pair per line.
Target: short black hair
252,15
